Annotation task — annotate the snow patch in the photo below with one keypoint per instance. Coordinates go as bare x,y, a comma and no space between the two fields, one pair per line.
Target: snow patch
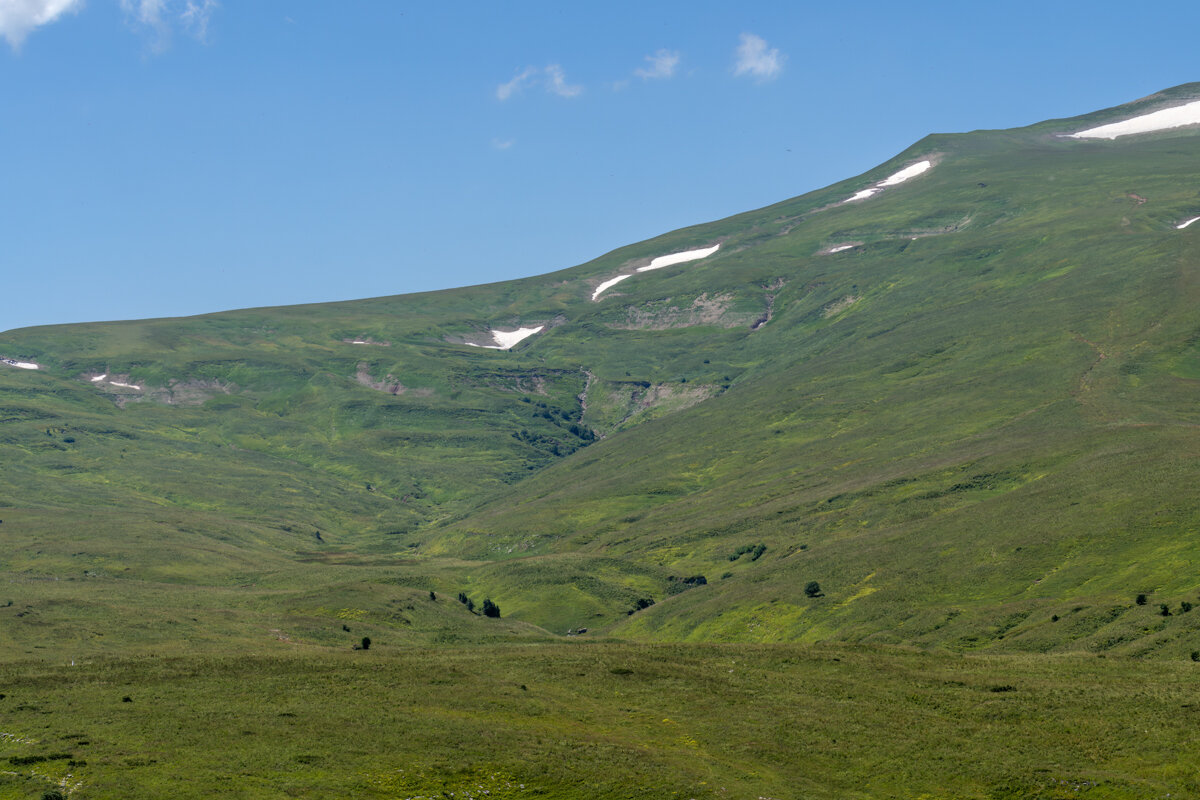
1164,119
506,340
99,378
125,385
1183,225
911,171
608,284
658,263
839,248
679,258
19,364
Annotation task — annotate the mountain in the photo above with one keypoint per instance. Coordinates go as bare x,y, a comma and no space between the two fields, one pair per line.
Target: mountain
949,403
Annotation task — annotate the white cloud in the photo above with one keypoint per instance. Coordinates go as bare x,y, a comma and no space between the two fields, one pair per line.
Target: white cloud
159,16
554,80
755,60
503,144
662,65
507,90
19,17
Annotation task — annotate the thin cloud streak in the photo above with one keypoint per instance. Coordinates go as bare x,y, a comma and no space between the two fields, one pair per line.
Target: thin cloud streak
159,17
507,90
554,80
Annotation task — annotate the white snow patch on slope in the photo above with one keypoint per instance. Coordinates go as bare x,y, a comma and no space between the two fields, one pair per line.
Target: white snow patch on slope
679,258
1183,225
658,263
506,340
19,364
911,171
99,378
125,385
608,284
839,248
1164,119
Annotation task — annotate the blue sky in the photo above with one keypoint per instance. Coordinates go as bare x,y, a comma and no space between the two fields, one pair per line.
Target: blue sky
173,157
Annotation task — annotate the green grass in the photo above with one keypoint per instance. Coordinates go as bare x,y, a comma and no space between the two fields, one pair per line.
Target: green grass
976,429
602,720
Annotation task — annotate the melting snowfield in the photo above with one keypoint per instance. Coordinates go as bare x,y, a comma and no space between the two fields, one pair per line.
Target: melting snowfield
1167,118
910,171
608,284
679,258
840,248
506,340
1183,225
19,364
658,263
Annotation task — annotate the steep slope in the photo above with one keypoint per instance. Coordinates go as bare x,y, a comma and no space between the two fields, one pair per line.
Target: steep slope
957,391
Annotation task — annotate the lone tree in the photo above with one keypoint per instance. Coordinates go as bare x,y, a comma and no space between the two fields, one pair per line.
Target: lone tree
366,643
812,589
490,609
1141,600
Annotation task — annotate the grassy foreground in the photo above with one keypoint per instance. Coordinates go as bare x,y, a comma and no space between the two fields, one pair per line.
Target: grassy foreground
601,720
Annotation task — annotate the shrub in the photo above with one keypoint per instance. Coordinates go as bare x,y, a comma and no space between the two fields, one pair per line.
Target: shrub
1185,607
1196,655
1054,618
490,609
1162,609
366,643
812,589
1141,600
432,595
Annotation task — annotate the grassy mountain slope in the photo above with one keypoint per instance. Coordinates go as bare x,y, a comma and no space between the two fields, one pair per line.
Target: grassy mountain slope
964,406
974,413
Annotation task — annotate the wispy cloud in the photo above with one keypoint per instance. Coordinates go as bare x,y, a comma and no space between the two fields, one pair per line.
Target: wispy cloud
755,60
556,82
553,79
507,90
196,15
19,17
662,65
503,144
158,17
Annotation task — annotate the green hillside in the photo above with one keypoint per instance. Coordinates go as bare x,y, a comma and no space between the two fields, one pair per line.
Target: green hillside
964,406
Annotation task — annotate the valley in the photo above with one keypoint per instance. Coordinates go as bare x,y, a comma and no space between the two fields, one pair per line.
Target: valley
956,392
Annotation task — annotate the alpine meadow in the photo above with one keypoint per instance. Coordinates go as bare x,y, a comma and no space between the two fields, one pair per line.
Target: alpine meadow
883,491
